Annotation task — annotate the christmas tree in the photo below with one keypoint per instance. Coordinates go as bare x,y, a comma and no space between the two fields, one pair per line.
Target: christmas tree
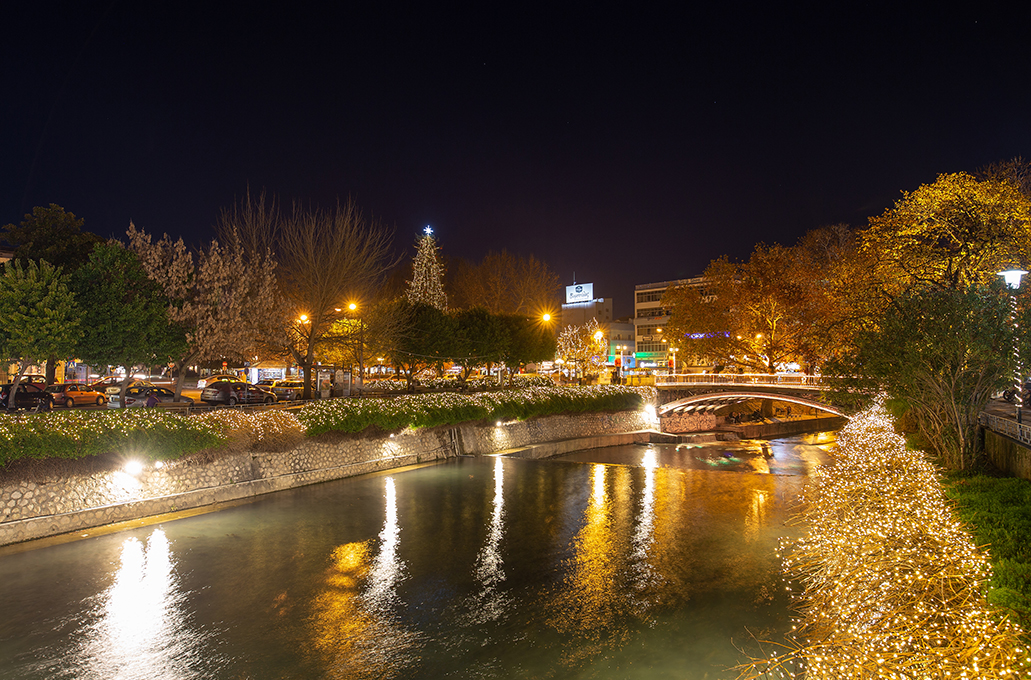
427,284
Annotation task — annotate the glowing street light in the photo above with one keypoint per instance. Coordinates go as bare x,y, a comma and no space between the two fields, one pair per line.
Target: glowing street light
353,307
546,317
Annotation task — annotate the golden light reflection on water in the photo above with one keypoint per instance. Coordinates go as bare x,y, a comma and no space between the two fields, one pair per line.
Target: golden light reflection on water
644,537
356,632
593,605
755,516
490,603
141,631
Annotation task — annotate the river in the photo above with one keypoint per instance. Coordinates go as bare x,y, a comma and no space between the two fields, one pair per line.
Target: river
645,561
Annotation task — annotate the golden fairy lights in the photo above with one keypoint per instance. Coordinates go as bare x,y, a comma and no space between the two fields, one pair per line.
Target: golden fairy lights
159,433
892,585
427,410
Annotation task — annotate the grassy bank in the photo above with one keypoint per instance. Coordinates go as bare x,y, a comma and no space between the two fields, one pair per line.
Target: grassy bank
997,511
165,435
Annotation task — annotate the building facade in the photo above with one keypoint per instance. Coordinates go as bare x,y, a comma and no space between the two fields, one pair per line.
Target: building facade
650,320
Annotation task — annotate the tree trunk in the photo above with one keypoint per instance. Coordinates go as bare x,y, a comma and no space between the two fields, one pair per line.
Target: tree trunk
11,403
51,374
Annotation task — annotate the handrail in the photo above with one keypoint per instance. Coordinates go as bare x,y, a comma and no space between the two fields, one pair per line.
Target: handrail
798,379
1010,428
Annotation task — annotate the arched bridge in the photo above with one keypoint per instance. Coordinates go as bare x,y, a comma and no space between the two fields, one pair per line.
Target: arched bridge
705,392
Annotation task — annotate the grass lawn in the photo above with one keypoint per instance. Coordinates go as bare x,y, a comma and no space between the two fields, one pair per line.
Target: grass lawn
997,511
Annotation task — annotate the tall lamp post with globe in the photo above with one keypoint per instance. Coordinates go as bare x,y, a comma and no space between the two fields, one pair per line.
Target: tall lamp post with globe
1012,279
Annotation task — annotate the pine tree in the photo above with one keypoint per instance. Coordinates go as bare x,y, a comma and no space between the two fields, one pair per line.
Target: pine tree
427,284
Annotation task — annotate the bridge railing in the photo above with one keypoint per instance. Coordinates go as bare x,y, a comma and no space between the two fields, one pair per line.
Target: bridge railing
1005,426
788,380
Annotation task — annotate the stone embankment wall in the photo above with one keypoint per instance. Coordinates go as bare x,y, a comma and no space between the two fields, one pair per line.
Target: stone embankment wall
30,510
1007,455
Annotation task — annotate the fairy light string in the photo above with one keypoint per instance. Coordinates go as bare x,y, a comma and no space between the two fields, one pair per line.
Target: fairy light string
892,586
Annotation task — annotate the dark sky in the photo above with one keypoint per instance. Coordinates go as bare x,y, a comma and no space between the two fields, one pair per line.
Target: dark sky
628,145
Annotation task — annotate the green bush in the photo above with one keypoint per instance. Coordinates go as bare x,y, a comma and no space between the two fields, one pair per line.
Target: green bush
154,433
430,410
158,434
997,512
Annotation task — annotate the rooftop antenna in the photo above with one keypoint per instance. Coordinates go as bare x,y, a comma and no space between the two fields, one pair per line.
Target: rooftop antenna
574,277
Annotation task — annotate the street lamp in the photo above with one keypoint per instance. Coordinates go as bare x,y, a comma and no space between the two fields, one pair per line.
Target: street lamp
353,307
1012,279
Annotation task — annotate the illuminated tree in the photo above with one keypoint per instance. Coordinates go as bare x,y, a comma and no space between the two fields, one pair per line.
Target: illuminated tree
40,316
326,260
583,347
957,232
757,315
427,284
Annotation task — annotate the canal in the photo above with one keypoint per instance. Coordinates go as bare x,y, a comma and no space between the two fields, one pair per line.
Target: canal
646,561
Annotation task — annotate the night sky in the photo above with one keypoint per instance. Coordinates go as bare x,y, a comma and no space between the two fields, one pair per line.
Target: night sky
626,145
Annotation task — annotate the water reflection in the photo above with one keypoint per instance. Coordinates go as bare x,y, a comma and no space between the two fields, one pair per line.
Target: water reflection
386,570
755,515
593,606
656,565
356,631
644,536
141,631
490,603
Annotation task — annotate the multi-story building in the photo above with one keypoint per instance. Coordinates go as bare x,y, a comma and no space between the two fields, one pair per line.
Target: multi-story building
650,319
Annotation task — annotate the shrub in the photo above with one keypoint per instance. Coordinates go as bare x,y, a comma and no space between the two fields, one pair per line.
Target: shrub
429,410
156,433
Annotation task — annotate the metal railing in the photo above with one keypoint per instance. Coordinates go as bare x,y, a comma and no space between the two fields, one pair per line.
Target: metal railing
788,380
1006,426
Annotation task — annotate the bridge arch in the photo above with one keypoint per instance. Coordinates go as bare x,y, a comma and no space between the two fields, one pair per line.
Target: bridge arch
700,403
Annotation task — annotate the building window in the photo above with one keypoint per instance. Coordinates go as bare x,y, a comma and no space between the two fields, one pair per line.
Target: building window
651,312
650,296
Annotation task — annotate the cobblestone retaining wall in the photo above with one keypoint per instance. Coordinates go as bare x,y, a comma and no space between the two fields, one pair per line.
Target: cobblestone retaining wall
30,510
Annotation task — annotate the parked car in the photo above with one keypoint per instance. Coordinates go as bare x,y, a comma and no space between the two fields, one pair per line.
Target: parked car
104,383
114,393
29,396
288,390
221,377
138,396
70,394
231,393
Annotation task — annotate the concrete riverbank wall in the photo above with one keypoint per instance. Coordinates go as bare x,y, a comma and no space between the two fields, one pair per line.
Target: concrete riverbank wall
51,506
1007,455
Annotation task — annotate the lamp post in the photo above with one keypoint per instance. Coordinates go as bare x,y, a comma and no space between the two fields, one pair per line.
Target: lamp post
361,347
1012,279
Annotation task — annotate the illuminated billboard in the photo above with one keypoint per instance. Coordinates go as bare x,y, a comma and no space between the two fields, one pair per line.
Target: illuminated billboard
580,292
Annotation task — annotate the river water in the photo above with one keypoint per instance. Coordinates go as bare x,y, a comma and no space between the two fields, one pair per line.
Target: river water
649,561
